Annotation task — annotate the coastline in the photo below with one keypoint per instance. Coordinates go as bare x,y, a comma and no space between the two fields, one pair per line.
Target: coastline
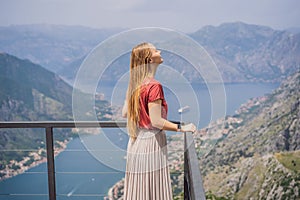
36,158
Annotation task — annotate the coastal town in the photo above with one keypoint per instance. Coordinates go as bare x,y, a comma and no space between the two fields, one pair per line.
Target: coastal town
33,159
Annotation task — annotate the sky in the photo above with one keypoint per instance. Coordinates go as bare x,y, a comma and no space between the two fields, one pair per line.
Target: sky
181,15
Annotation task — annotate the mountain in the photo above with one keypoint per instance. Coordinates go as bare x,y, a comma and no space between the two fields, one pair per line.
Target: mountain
29,92
38,91
52,46
252,53
242,52
255,154
294,30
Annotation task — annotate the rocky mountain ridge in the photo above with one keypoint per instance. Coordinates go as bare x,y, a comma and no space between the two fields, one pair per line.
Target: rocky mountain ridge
245,52
242,52
259,157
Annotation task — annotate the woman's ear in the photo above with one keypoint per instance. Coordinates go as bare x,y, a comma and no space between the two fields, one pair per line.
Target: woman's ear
150,60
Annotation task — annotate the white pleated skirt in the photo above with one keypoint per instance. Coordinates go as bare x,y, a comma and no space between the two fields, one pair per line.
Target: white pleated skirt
147,174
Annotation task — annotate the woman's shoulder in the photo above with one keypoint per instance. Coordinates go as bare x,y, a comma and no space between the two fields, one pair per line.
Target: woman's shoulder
152,81
151,84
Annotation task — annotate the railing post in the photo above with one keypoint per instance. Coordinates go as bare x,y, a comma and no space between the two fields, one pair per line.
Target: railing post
193,187
186,177
50,163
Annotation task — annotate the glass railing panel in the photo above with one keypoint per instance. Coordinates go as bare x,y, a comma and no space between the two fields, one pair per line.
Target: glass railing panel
88,163
24,197
23,165
176,163
91,163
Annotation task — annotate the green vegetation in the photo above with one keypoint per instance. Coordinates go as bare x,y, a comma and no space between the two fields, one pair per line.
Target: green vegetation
210,196
180,196
29,162
15,90
290,160
176,175
253,182
17,142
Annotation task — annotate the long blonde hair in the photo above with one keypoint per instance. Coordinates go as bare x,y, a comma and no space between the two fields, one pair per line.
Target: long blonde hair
139,70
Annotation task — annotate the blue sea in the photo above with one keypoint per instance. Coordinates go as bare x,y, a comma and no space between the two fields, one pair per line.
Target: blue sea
89,166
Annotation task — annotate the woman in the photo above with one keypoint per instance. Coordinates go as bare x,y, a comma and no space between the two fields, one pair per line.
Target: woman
147,174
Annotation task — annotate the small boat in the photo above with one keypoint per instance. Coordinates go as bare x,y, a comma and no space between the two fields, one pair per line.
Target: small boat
183,109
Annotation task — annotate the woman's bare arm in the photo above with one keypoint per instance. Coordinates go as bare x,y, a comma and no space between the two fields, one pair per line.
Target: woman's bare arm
163,124
156,119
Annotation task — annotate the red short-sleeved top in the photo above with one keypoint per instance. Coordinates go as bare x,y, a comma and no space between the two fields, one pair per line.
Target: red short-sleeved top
151,90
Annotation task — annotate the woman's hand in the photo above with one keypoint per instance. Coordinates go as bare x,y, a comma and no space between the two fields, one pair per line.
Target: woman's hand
188,128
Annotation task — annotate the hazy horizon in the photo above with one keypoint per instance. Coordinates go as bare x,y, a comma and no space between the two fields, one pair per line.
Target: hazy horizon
185,16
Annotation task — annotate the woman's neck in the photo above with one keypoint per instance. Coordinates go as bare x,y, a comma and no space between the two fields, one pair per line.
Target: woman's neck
152,70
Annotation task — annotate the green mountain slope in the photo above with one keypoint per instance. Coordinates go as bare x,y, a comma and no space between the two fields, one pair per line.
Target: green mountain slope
29,92
260,156
26,84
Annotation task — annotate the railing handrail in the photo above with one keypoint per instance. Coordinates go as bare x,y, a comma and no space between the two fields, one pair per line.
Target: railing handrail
193,181
62,124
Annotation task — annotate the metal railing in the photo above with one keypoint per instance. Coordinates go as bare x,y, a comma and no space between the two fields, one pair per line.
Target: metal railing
193,188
